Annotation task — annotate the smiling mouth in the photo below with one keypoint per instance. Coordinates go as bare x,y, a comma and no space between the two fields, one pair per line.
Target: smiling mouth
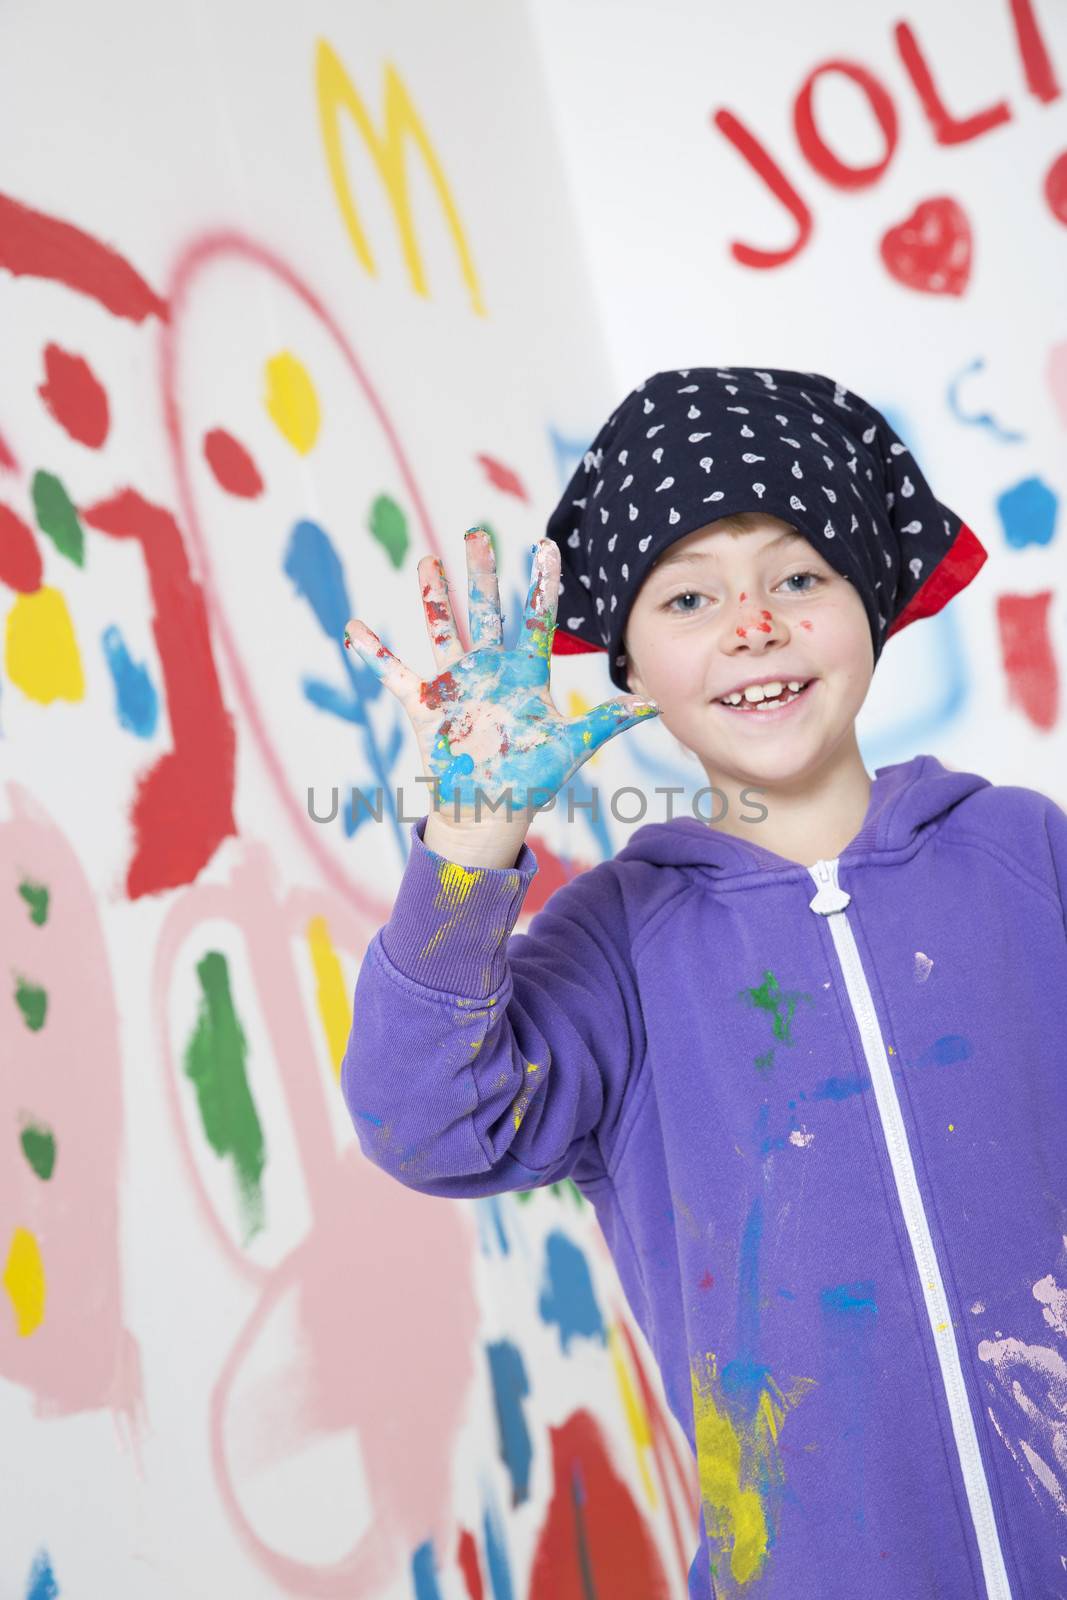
767,709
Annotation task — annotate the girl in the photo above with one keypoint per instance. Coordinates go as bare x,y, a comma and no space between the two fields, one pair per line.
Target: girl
809,1068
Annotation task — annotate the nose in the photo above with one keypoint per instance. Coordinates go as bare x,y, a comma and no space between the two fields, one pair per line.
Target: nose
753,625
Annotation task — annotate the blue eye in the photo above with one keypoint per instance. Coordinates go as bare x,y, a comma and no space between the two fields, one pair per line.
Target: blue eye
817,577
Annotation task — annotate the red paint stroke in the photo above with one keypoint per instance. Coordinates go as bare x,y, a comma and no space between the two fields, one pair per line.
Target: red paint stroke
75,396
183,808
34,245
232,465
962,561
1037,64
1055,188
592,1526
931,249
815,148
467,1560
20,558
946,128
569,644
502,477
764,165
6,458
1027,657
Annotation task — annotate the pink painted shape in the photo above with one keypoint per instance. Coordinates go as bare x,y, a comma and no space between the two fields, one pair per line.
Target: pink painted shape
383,1279
199,255
68,1077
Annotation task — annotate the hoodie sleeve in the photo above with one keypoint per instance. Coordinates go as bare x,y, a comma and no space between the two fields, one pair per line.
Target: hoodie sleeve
481,1060
1056,833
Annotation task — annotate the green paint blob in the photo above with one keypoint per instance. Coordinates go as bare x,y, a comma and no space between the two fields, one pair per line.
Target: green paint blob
39,1148
389,526
36,897
780,1004
57,517
32,1001
215,1063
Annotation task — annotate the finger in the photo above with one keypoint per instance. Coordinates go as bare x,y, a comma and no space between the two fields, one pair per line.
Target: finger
539,613
400,680
586,734
437,608
483,593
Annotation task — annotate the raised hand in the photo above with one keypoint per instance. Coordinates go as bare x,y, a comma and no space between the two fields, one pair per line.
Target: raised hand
486,723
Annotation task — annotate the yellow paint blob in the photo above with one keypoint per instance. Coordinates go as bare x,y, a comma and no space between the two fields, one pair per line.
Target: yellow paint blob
456,884
331,993
24,1282
41,654
635,1413
291,401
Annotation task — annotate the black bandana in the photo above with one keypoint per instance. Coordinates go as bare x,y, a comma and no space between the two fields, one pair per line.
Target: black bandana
689,446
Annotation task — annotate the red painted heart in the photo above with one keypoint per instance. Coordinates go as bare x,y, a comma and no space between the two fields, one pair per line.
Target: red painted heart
931,249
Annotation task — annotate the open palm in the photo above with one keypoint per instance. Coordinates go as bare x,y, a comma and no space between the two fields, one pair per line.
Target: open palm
486,725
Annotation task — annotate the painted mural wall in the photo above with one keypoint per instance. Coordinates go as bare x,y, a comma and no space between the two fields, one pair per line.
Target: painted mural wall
290,297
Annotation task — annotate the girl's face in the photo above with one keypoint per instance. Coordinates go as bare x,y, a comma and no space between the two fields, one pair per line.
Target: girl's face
722,608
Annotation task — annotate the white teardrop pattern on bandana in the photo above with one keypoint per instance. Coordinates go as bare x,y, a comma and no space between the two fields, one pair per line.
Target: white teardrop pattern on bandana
575,540
897,449
675,516
657,454
854,524
695,438
746,431
602,575
625,569
889,499
583,577
829,463
795,469
829,493
707,462
651,433
731,388
599,605
574,622
783,420
611,541
915,566
633,512
666,484
749,457
815,417
690,388
797,505
743,409
716,496
907,488
623,457
829,530
650,405
888,559
912,527
580,503
612,606
626,482
760,489
604,513
643,544
787,440
869,433
692,413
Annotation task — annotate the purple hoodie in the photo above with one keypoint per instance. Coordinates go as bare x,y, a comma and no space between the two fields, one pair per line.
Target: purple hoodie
822,1116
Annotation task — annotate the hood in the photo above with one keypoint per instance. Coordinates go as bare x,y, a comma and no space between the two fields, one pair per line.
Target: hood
906,798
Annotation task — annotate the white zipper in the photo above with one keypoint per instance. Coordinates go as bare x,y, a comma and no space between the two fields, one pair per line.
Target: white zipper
830,902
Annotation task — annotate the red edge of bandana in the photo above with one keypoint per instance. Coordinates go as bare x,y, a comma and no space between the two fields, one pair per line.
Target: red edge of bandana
962,561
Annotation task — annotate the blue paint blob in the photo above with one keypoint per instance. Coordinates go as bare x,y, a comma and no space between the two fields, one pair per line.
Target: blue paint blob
496,1555
42,1584
839,1088
511,1386
946,1051
1028,513
848,1316
136,700
424,1572
568,1298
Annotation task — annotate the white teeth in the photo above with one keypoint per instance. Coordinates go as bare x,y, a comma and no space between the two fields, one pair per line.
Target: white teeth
757,692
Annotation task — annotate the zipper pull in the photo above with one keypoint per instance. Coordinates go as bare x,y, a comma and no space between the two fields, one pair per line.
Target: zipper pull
831,897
